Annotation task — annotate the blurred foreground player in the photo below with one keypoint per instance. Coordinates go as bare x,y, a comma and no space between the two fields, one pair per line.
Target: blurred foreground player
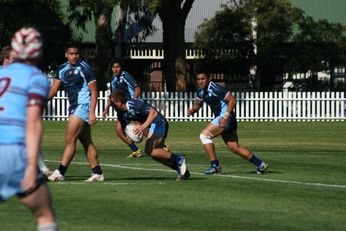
23,93
6,58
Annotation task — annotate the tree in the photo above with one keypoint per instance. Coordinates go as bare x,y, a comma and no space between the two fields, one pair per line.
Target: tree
44,15
320,45
173,14
100,11
227,39
274,28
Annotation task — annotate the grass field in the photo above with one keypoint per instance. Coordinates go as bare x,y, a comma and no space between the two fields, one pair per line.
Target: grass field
304,188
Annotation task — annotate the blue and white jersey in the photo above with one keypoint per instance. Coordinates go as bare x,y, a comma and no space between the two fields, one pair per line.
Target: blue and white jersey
124,82
19,83
214,96
76,79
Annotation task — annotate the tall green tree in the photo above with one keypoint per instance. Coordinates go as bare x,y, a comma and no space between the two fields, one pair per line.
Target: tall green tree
274,20
100,12
44,15
226,41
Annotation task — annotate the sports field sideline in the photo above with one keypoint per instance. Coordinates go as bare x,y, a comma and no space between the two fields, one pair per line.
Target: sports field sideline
304,188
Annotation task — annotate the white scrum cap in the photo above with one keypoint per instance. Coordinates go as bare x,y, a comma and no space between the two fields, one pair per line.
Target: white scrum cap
27,44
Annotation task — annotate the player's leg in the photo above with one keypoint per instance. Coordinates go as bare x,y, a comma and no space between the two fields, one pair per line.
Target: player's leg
231,140
206,137
74,128
155,147
40,204
91,153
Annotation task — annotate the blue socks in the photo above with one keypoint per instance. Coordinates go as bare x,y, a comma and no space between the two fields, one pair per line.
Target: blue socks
255,161
133,147
215,163
97,170
62,169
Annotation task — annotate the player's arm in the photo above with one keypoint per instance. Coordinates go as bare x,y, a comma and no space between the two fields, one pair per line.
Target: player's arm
108,105
120,132
151,117
137,92
54,88
93,101
231,102
195,107
32,142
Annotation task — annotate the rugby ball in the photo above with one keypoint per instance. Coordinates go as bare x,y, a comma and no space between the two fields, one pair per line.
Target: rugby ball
130,132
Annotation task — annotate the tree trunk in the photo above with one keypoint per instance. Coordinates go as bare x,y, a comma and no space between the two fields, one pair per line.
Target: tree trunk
120,28
103,44
173,23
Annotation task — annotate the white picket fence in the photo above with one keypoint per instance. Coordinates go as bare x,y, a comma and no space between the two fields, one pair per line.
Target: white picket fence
251,106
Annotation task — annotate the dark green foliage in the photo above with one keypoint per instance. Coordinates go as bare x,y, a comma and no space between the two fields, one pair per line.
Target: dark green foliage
44,15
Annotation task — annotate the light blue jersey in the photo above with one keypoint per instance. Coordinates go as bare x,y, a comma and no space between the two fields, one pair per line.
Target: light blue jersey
125,83
19,83
76,79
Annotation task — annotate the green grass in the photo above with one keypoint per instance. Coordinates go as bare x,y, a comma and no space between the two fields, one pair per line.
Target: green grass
304,188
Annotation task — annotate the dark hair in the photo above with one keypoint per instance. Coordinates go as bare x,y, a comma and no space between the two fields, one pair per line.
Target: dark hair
119,61
203,68
5,53
119,96
72,44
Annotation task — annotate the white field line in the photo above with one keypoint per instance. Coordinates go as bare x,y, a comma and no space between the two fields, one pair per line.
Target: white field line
218,175
105,183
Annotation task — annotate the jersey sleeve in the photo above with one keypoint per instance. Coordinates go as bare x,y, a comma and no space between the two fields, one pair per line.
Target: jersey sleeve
142,107
221,92
89,73
38,89
131,80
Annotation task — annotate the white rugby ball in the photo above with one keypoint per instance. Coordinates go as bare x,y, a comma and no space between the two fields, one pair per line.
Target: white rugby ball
130,132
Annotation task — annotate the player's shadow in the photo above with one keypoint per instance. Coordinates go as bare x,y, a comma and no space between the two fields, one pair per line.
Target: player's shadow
158,178
267,172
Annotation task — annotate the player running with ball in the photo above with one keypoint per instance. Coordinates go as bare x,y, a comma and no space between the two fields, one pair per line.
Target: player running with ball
154,124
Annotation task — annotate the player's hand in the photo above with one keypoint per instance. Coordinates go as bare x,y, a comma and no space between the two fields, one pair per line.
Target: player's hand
190,112
223,122
29,180
140,130
104,113
92,119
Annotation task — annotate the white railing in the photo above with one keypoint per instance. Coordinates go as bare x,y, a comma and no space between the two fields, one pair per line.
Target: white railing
251,106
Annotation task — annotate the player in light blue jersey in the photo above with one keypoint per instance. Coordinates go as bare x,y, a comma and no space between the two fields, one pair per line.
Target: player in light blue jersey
23,94
6,58
123,81
222,104
80,83
152,124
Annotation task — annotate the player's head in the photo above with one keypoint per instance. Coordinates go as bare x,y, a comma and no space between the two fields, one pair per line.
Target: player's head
27,45
117,66
6,57
72,53
118,98
202,77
